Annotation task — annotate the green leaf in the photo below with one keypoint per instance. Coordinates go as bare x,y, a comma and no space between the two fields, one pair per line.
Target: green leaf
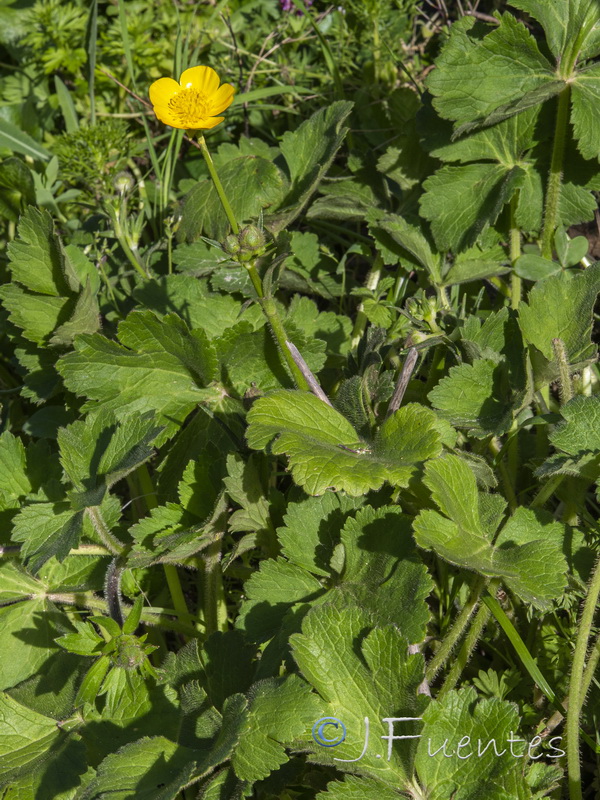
66,105
506,142
477,74
251,359
343,200
50,299
381,571
228,662
561,21
25,736
23,656
243,485
585,93
561,307
476,263
280,711
16,188
535,268
100,451
170,534
148,769
86,642
410,239
18,141
476,396
377,565
309,152
16,584
579,432
251,183
359,672
46,530
37,258
14,481
527,553
159,365
353,788
460,201
326,452
191,299
461,771
312,529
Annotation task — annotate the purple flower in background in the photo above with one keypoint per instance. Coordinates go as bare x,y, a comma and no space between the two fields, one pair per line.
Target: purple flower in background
288,5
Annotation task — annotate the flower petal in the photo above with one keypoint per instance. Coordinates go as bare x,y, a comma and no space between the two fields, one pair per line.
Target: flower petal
164,114
209,122
203,78
221,99
163,90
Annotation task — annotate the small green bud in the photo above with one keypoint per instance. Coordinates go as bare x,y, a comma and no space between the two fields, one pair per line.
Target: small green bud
231,245
130,652
414,308
123,182
251,238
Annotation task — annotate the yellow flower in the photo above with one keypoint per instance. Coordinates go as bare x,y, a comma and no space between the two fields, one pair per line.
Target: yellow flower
193,102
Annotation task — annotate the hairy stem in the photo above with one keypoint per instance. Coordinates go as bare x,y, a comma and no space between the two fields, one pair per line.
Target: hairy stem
556,168
471,639
576,685
546,491
150,616
215,609
565,387
515,252
110,542
270,311
148,497
371,283
456,631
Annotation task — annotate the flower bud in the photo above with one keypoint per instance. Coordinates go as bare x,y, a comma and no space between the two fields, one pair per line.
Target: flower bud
123,182
129,653
251,238
231,244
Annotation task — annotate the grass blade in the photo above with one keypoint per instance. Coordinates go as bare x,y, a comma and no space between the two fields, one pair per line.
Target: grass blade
66,105
92,35
20,142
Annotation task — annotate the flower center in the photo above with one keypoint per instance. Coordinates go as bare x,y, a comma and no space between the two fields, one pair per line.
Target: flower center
189,106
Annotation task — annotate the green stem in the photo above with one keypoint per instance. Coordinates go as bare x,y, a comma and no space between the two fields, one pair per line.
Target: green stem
267,303
173,582
576,693
455,632
556,167
270,311
477,628
507,478
565,387
371,283
590,668
215,608
150,616
110,542
122,238
546,491
175,590
256,281
218,185
515,252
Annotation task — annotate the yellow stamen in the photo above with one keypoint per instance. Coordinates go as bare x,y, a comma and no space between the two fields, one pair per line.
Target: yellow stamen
189,106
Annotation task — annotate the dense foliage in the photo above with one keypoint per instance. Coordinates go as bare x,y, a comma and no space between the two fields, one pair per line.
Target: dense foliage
307,509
